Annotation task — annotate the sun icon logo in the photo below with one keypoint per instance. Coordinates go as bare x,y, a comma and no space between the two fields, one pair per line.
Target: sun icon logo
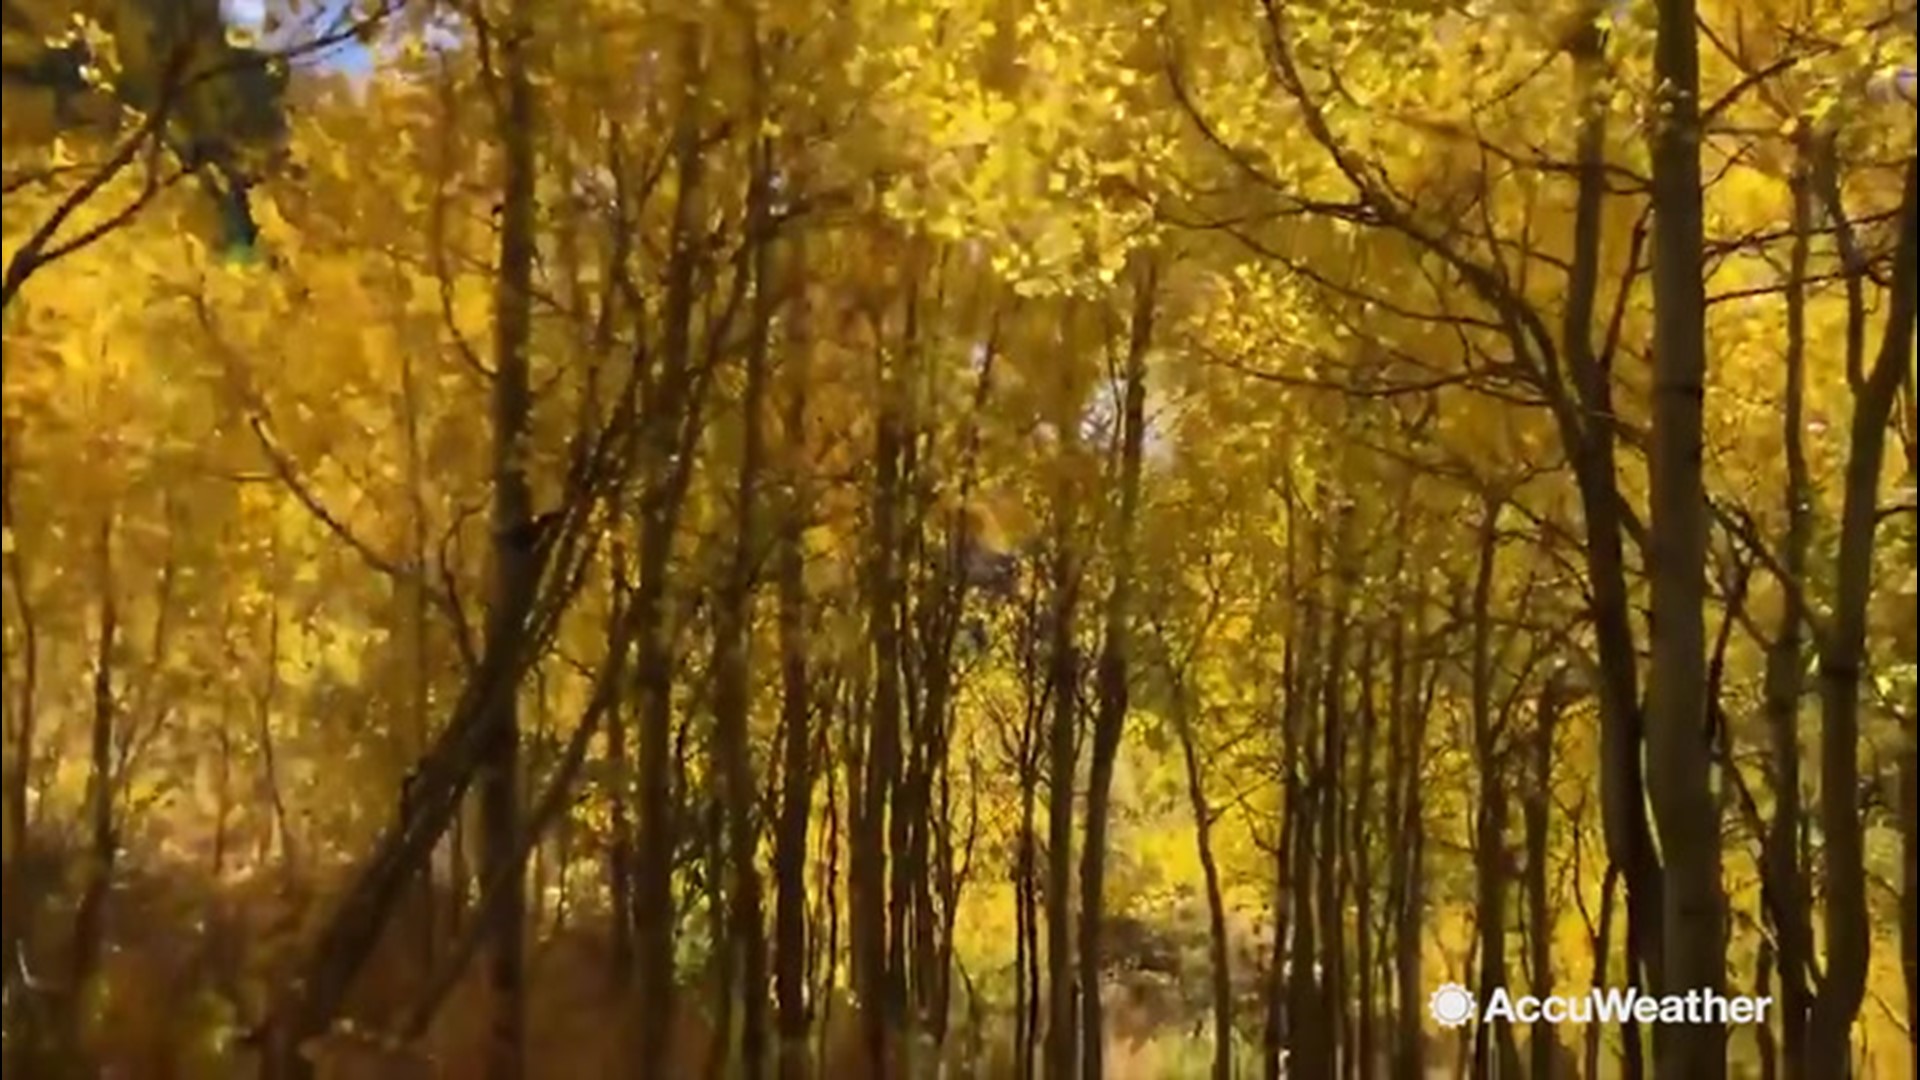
1451,1005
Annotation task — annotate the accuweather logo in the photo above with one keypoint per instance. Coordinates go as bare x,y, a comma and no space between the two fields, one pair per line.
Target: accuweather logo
1453,1005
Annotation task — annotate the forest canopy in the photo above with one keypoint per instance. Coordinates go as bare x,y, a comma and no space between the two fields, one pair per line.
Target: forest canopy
897,538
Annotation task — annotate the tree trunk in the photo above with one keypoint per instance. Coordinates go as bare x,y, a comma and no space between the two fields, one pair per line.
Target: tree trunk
1329,903
1602,945
24,1034
1910,892
1027,986
796,722
1026,1008
103,843
1063,677
1308,1046
1217,952
1767,1047
665,473
721,959
1111,681
943,613
1276,1040
1679,761
619,853
1910,873
901,738
1589,435
1785,678
1910,774
1490,818
1273,1035
1360,869
1542,1045
733,663
515,565
830,891
871,914
1844,655
1410,913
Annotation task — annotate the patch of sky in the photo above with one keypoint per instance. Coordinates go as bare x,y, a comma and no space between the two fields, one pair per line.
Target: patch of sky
280,26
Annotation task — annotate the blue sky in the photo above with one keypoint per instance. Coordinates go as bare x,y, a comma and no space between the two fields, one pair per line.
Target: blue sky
350,56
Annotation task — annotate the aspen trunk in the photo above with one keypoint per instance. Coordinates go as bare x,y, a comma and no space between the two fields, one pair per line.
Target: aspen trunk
665,475
796,723
1111,685
89,916
1784,886
1679,762
515,567
1542,1045
733,664
1220,970
1844,655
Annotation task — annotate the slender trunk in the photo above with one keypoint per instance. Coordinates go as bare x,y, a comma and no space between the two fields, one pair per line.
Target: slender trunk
1024,989
733,662
89,918
1679,760
1910,884
1276,1037
1217,954
619,853
830,899
415,628
515,565
264,707
1308,1048
1844,655
745,977
1490,818
1786,665
910,833
23,1034
1111,681
1602,946
945,614
1909,767
871,914
1589,433
720,960
1768,1048
1026,875
932,944
796,722
1273,1035
24,733
661,500
1307,1042
1410,1044
950,881
1496,1039
1360,868
1063,678
918,955
1329,903
900,744
1542,1044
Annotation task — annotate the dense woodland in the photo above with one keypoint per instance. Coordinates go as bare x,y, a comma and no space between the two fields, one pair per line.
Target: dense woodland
963,538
